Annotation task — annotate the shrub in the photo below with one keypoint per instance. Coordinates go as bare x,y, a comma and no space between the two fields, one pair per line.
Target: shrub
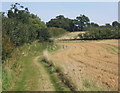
43,35
56,32
100,33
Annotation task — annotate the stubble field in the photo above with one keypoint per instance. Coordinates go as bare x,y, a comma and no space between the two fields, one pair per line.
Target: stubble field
90,65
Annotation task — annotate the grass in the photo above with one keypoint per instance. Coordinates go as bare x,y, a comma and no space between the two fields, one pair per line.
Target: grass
17,72
5,82
59,86
56,71
52,70
56,32
27,74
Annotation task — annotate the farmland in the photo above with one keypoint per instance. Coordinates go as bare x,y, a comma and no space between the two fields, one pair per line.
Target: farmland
91,65
60,54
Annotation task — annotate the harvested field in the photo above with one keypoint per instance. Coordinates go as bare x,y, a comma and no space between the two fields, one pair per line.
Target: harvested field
91,65
71,35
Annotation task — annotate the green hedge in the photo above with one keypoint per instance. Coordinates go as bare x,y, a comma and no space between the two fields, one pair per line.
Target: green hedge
56,32
100,33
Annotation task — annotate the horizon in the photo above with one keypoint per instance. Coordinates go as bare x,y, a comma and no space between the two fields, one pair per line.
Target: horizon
98,12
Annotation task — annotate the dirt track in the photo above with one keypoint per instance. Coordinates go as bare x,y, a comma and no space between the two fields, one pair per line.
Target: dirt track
44,83
91,65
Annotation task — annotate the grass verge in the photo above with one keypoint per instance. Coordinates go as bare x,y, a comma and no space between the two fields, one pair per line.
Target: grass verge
63,84
17,73
59,86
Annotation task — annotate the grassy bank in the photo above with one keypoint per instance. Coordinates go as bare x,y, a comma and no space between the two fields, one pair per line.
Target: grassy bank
56,81
19,72
58,78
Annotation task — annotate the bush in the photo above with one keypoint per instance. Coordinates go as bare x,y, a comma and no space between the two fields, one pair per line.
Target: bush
20,27
7,46
100,33
43,35
56,32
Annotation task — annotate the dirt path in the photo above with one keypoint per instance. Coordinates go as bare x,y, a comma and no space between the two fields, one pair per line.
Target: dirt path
44,82
33,78
90,65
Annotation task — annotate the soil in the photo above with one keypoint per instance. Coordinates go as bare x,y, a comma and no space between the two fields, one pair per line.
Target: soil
94,62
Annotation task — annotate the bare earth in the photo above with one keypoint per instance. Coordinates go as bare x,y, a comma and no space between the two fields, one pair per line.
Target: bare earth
91,65
71,35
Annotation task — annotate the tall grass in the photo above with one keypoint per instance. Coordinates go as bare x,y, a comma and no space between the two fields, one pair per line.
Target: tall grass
57,69
15,67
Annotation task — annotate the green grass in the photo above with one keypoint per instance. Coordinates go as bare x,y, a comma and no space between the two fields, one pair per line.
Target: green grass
18,71
56,81
56,74
6,80
59,86
27,74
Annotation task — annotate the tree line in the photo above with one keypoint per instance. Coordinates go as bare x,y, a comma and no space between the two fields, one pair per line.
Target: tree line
80,23
20,27
71,25
100,33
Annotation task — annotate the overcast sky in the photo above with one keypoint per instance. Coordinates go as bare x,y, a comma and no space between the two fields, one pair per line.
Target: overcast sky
98,12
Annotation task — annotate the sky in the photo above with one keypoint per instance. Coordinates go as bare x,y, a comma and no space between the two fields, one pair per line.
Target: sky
98,12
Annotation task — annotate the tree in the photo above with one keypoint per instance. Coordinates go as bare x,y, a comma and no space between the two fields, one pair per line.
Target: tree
81,22
18,12
108,25
92,24
35,24
23,27
60,17
116,24
61,22
7,44
20,27
43,35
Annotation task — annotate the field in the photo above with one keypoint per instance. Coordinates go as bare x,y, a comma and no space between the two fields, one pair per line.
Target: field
71,35
87,65
90,65
58,53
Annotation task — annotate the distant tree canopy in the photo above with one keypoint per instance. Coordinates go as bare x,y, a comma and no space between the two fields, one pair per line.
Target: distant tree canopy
116,24
61,22
92,24
108,25
80,23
